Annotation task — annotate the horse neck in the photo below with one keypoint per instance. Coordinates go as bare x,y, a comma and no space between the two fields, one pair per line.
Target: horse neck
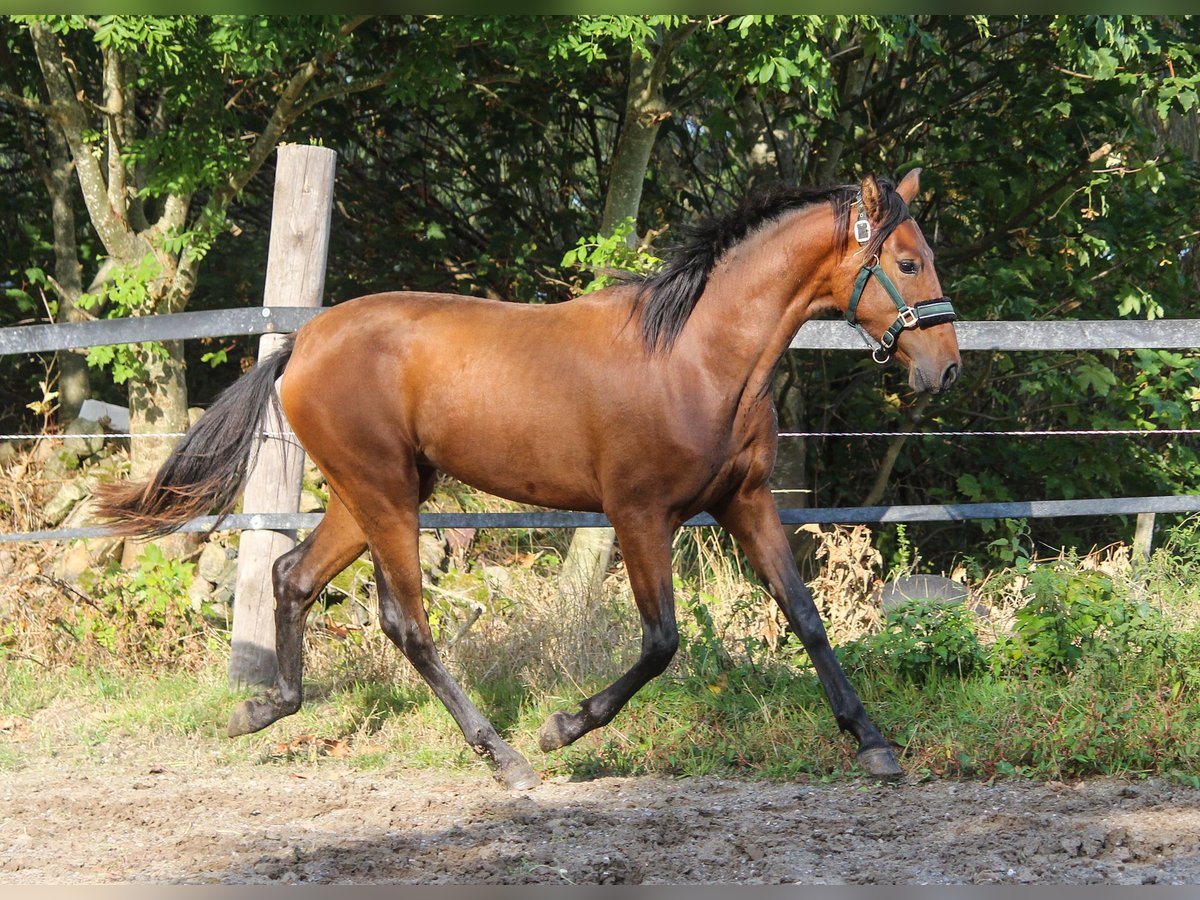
760,294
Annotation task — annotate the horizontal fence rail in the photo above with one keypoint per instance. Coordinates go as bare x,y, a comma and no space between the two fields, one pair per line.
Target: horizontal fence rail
1118,334
837,515
1163,334
173,327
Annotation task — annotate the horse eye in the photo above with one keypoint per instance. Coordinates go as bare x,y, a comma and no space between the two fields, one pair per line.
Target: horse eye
907,266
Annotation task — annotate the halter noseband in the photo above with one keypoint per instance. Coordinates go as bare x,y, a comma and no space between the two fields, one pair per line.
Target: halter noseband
925,314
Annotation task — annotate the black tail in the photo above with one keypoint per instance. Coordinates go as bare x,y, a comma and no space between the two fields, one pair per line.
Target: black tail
205,473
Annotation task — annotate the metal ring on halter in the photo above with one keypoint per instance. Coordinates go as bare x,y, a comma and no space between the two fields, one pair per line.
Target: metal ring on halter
882,360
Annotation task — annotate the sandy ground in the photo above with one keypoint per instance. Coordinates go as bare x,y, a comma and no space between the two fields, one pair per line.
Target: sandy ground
127,819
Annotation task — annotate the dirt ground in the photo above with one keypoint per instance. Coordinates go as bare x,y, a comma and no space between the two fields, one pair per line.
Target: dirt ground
128,819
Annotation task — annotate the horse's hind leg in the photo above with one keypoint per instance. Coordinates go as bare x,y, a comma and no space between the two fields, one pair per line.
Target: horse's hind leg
646,548
403,619
299,576
753,520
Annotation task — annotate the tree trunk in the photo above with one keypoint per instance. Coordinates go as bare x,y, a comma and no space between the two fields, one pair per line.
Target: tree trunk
157,405
915,417
591,549
853,81
74,381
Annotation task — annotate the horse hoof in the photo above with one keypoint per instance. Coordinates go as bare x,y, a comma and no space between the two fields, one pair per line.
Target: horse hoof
554,732
880,762
250,716
519,777
240,721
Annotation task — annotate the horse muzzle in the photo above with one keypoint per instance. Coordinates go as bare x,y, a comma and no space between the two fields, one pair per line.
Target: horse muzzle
923,381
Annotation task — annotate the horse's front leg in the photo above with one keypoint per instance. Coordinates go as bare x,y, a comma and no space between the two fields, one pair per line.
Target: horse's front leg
753,520
645,541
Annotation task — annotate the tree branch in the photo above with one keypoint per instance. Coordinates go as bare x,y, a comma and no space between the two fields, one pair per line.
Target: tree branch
33,106
997,234
118,239
114,100
346,90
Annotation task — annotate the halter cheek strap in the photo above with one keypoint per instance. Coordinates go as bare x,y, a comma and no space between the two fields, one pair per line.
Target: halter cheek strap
925,314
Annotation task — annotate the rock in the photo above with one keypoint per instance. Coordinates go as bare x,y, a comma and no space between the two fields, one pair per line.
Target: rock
311,502
109,415
199,593
194,414
86,438
9,454
498,577
217,566
61,465
42,451
72,563
214,563
222,594
64,500
432,550
99,550
928,587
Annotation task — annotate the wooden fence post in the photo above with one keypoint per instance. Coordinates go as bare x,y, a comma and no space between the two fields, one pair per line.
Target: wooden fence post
1143,538
295,277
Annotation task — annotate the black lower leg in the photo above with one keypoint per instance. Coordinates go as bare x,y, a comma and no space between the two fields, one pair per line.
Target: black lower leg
563,728
292,603
874,753
646,545
751,517
413,638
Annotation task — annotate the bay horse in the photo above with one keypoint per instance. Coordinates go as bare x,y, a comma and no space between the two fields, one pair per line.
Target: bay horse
649,401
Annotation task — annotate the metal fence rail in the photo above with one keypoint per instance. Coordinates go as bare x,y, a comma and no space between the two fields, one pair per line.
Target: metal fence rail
1119,334
837,515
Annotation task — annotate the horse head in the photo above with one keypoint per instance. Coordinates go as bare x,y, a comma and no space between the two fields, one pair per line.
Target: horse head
893,295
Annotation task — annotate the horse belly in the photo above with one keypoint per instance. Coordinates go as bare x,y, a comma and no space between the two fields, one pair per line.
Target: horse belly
527,459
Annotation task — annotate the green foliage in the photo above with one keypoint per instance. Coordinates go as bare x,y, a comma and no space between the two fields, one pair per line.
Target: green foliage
614,251
921,639
703,648
127,292
142,616
1072,614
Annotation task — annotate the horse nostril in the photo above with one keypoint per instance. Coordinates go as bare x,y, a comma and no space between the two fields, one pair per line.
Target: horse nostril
950,375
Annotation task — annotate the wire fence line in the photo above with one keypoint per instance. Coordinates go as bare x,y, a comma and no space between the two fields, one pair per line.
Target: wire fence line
1063,432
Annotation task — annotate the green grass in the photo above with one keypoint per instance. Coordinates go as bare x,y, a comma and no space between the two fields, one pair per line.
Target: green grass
760,722
1116,693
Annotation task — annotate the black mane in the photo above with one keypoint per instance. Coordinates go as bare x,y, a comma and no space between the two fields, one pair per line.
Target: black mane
666,298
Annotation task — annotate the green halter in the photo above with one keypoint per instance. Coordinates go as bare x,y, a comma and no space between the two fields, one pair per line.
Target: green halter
925,314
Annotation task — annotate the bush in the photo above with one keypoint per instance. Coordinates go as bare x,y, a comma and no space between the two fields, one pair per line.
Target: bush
1072,613
921,638
142,616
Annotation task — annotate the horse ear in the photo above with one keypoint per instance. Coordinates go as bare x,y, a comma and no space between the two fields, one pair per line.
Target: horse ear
909,185
872,197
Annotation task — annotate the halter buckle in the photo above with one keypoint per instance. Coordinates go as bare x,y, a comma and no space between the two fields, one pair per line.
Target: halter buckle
909,318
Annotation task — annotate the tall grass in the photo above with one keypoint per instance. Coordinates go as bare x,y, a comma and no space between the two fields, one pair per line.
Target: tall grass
1116,692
